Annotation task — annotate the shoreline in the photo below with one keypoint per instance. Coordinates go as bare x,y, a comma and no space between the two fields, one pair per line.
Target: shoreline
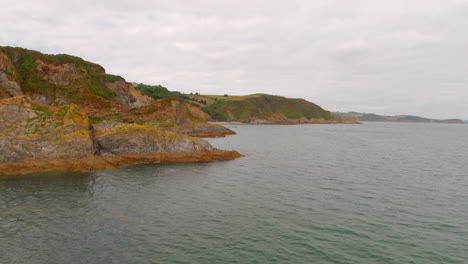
286,123
210,134
29,166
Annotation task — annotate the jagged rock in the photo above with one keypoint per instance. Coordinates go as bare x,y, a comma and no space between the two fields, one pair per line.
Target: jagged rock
177,116
133,138
58,80
16,109
60,75
43,132
126,94
8,86
208,130
36,137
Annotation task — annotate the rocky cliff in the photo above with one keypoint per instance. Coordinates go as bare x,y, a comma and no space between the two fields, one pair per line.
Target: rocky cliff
60,112
177,115
29,130
62,79
36,137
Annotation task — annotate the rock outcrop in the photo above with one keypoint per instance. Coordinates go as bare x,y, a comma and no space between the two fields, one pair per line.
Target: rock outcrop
176,115
8,86
126,94
43,132
58,75
134,138
61,79
36,137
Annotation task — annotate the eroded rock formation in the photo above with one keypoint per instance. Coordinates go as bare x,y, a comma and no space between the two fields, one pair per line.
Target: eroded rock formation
58,80
36,137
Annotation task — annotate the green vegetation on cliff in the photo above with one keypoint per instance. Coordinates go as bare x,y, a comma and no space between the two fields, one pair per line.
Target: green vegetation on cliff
62,78
263,107
159,92
32,77
249,108
36,137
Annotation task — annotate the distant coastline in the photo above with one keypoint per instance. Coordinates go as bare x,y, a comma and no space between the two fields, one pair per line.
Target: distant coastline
267,122
369,117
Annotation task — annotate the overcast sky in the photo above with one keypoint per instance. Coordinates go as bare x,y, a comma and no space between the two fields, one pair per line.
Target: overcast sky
385,57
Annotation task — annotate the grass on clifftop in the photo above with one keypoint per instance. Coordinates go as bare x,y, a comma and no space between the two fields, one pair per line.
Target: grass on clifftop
262,106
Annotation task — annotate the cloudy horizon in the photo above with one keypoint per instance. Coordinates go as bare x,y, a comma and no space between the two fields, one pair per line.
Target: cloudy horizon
384,57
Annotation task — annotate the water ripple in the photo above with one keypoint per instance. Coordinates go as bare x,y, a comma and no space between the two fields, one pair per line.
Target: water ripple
375,193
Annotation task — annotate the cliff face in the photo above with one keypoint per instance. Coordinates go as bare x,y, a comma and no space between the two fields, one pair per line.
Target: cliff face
125,94
176,115
8,86
63,79
59,112
36,137
29,130
57,80
133,138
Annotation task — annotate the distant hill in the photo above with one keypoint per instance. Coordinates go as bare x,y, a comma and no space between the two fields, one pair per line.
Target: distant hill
262,108
398,118
265,108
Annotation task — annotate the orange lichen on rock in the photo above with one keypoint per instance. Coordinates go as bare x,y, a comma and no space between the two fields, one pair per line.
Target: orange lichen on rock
176,115
60,112
47,138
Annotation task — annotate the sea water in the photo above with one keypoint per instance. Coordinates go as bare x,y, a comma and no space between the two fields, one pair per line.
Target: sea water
370,193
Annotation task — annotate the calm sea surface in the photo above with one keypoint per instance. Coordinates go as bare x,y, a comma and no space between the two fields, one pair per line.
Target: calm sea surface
371,193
